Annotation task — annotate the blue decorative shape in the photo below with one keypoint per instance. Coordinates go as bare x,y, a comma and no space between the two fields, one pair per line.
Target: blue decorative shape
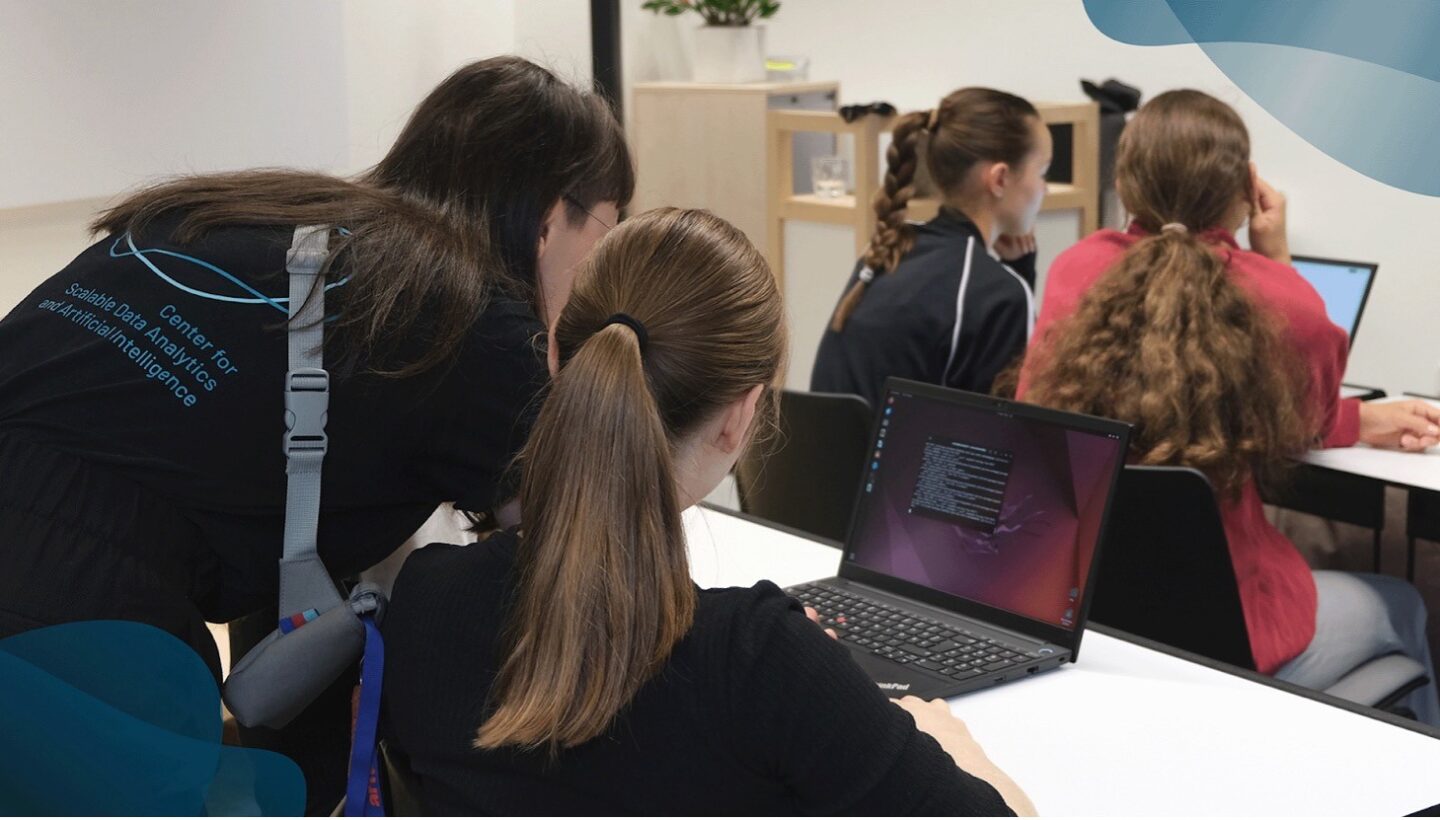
1358,80
121,718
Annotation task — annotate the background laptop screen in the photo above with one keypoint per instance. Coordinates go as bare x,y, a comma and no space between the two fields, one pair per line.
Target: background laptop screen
1342,285
984,505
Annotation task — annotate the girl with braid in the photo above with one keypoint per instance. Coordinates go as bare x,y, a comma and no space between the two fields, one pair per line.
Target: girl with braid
934,302
1224,361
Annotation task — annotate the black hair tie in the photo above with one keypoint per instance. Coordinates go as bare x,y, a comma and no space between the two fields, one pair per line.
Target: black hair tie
634,324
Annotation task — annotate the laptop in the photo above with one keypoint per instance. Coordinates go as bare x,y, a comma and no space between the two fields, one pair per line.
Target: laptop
1343,286
971,551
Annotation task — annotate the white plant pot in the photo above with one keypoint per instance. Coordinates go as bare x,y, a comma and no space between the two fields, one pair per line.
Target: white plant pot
730,54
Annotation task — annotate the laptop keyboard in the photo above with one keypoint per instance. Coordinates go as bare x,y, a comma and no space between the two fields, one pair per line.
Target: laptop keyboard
907,638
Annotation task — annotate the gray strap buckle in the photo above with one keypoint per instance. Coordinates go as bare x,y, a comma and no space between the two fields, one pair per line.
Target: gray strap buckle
307,405
308,253
368,598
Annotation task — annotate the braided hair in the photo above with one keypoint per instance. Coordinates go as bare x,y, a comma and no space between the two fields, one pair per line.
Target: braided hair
969,126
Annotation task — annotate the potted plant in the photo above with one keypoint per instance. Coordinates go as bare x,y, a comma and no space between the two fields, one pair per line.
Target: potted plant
727,48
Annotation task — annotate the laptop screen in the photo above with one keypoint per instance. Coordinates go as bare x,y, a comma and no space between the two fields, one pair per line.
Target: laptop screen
1343,286
983,501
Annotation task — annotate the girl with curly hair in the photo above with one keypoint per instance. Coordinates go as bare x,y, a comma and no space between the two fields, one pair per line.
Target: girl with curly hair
1224,361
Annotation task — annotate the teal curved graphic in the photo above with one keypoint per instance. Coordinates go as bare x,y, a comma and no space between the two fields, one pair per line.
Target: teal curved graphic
255,298
1358,79
121,718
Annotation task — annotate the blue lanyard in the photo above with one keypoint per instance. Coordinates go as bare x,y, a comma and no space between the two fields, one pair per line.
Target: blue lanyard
362,795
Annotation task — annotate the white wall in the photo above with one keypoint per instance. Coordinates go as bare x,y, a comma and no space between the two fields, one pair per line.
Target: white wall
556,34
101,96
397,50
97,95
911,52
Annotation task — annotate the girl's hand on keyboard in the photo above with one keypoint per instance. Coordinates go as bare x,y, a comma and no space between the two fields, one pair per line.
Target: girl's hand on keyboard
815,616
933,717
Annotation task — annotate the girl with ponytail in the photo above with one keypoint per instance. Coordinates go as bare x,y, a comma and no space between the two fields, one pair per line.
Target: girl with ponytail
1225,361
572,667
935,302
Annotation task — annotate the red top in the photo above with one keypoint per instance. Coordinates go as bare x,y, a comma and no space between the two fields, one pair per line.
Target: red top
1277,590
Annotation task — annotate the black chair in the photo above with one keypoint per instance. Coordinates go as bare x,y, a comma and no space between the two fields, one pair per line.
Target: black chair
399,787
1422,520
1165,570
1338,496
1165,574
1422,516
808,477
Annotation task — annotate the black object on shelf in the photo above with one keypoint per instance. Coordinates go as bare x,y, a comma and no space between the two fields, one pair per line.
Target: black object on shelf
1366,394
1116,100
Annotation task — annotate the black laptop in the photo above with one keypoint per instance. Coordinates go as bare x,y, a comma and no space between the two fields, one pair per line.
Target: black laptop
971,551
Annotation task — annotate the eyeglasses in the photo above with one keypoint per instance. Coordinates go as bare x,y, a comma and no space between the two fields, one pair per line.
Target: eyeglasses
573,201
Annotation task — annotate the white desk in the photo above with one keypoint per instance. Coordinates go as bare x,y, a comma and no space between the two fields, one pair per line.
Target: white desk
1135,731
1417,470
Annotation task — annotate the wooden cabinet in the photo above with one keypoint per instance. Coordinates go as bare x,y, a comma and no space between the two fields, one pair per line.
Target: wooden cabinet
699,145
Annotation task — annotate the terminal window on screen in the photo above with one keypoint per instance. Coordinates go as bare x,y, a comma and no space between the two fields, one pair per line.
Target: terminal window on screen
961,482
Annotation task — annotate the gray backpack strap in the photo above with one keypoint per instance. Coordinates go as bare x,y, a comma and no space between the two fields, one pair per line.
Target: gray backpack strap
283,673
306,589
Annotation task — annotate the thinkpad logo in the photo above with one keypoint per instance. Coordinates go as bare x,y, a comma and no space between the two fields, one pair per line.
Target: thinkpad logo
901,687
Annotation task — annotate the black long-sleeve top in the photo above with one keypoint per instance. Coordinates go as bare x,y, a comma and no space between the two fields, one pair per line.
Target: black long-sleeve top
164,363
756,712
949,314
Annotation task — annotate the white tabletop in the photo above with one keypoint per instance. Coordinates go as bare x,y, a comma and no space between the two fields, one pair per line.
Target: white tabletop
1420,470
1131,731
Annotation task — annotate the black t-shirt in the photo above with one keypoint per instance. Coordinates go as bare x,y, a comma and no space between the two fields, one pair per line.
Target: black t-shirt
756,712
949,314
173,376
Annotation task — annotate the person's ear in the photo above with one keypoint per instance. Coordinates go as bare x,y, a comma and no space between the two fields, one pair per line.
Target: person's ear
997,179
548,226
735,428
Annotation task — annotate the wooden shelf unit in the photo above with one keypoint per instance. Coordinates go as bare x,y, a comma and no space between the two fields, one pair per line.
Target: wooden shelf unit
703,145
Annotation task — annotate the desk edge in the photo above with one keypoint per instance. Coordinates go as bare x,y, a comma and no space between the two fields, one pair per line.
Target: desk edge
1156,646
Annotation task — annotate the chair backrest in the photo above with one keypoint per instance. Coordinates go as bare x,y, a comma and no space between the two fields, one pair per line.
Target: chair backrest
808,477
402,787
1423,517
1351,499
1165,571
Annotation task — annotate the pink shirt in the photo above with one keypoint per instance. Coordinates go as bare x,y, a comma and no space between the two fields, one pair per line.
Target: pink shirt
1277,590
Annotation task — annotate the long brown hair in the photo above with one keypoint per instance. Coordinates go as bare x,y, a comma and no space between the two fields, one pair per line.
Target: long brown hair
452,212
1165,340
969,126
604,590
